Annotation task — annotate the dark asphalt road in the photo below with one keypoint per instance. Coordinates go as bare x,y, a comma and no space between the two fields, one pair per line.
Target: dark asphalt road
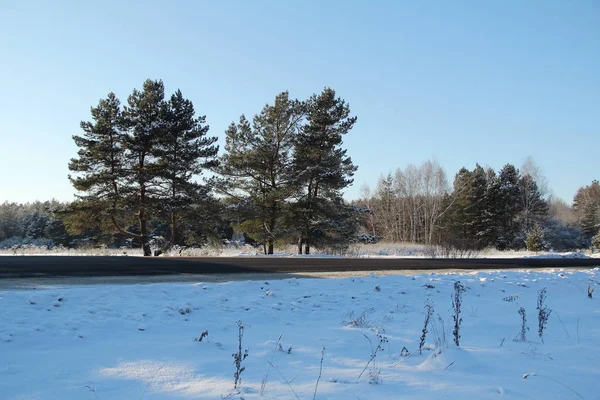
84,266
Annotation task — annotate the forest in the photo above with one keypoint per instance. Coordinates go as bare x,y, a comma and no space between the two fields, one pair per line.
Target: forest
149,175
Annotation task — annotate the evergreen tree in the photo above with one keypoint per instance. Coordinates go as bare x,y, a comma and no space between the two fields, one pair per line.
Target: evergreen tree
586,205
57,232
183,151
321,165
468,215
385,208
535,239
35,225
144,120
258,166
534,208
596,242
11,220
491,213
509,207
100,168
477,208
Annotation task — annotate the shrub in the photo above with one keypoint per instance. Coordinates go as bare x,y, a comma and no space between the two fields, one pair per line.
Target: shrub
535,239
596,242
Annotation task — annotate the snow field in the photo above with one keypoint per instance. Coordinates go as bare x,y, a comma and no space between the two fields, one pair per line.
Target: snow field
141,341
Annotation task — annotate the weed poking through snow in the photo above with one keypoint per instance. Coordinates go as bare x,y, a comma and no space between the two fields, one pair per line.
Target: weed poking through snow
512,297
525,376
543,313
522,335
358,322
203,335
239,357
374,373
590,291
459,289
320,373
429,312
266,377
439,335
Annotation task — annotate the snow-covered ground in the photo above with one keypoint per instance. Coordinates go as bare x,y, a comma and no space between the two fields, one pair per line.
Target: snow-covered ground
141,341
377,250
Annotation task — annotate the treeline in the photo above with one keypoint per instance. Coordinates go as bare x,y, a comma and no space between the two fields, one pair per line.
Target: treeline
141,180
412,205
510,209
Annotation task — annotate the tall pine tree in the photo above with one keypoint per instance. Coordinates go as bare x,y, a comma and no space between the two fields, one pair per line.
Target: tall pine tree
144,120
258,166
468,209
322,165
99,170
183,152
508,206
534,208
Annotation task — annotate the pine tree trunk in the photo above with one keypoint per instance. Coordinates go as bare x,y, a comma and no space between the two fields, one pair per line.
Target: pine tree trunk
144,233
271,227
307,248
300,246
174,238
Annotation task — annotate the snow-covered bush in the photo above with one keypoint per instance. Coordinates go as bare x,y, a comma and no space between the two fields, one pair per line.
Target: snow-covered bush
535,239
21,242
596,242
559,236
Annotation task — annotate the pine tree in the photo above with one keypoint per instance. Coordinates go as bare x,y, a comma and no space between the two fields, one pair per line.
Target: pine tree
491,214
535,239
35,224
321,165
477,208
100,166
258,166
468,215
586,205
183,152
509,207
385,208
596,242
144,120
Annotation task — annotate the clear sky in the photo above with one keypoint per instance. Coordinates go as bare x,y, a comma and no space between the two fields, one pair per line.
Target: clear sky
459,81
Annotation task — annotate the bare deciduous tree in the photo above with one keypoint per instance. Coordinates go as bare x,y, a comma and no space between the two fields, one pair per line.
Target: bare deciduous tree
409,203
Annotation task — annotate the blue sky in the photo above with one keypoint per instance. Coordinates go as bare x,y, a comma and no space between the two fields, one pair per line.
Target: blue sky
458,81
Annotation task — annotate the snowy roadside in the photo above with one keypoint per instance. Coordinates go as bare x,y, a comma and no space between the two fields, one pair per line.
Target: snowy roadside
108,341
379,250
40,283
